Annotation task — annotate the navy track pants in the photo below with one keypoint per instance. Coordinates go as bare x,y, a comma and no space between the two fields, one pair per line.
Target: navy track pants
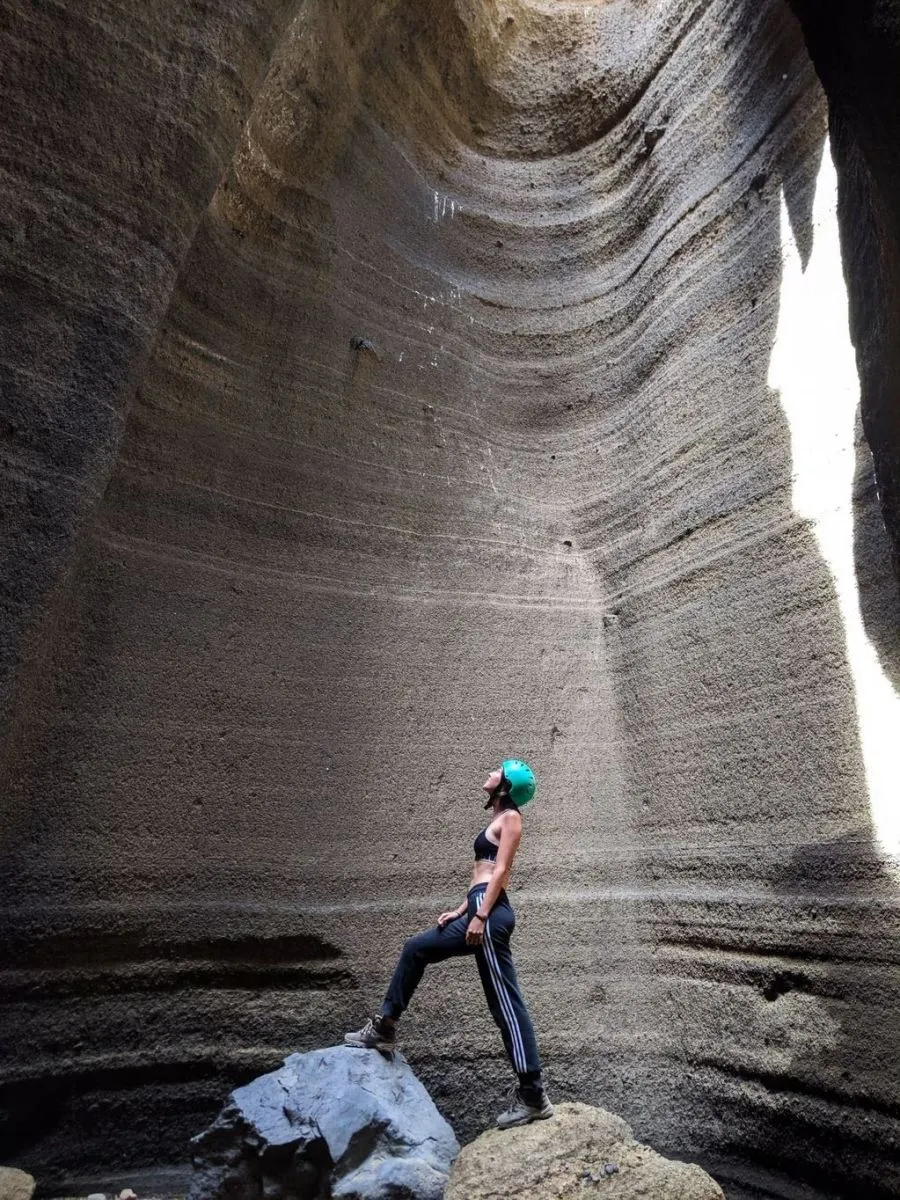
495,966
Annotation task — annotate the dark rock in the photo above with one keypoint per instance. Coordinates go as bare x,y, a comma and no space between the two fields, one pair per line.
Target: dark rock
334,1122
758,182
361,344
856,51
652,135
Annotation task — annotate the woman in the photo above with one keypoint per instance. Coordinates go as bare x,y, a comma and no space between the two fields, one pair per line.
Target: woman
482,925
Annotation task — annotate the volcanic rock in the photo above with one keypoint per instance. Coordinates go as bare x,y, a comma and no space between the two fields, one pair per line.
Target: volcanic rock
335,1122
582,1152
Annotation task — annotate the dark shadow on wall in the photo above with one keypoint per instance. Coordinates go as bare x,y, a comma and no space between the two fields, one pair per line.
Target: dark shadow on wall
846,957
842,972
844,960
167,996
879,587
855,45
108,174
831,1117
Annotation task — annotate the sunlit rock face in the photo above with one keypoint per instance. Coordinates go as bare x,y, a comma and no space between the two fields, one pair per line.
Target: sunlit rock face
473,428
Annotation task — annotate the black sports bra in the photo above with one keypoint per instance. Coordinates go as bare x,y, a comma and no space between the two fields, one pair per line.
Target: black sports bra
485,849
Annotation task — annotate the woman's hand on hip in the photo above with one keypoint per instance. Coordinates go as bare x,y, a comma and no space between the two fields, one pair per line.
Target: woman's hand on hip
475,932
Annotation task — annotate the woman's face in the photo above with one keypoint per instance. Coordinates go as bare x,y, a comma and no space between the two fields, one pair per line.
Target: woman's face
492,781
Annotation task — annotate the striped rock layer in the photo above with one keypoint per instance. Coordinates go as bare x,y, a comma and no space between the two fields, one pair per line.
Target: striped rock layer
413,384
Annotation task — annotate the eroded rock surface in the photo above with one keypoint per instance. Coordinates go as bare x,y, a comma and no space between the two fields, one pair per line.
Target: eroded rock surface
118,121
15,1184
582,1152
451,433
336,1122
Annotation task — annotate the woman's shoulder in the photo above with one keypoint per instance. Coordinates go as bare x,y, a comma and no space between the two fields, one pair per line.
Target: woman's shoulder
510,818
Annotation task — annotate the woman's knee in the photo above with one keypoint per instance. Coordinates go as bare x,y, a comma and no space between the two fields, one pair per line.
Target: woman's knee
414,947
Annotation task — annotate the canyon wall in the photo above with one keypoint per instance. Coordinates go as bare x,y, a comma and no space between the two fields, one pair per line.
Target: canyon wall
856,51
117,123
480,421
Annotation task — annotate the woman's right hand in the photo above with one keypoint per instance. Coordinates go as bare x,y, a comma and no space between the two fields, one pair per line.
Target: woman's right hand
445,918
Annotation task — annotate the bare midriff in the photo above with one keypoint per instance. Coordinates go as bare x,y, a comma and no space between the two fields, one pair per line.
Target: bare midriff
482,871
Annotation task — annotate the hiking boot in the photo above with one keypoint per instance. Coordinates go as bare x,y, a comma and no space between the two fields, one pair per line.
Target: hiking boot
524,1106
374,1035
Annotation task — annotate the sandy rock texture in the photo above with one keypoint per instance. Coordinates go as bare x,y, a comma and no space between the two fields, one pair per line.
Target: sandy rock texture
15,1184
441,410
118,120
580,1152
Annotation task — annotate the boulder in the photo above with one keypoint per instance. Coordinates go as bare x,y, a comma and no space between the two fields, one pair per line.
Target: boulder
337,1122
582,1152
15,1184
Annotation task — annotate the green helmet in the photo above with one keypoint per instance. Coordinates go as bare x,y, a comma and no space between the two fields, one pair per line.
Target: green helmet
520,778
